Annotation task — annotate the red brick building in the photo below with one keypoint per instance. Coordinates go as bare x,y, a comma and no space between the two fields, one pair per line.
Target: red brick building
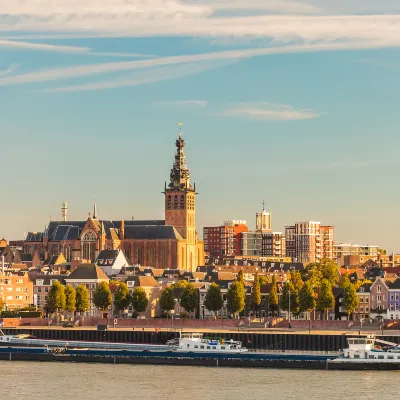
224,240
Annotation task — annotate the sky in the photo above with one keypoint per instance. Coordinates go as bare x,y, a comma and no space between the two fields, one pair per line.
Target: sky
291,102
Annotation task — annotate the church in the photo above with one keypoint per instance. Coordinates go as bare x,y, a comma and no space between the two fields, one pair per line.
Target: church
169,243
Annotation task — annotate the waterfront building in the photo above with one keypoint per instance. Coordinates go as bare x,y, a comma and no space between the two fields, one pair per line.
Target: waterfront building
169,243
379,298
224,240
89,275
42,285
364,307
16,289
111,261
393,298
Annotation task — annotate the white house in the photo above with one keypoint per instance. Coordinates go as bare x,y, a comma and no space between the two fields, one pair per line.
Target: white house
111,261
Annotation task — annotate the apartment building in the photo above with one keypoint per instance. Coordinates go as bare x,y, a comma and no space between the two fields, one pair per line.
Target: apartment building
224,240
273,245
16,290
349,249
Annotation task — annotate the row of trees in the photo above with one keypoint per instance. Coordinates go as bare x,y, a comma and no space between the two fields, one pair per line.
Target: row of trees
72,300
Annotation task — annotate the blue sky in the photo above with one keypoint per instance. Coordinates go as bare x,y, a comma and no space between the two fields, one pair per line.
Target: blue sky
291,102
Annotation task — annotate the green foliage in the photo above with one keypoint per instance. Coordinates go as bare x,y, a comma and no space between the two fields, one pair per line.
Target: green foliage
382,251
307,298
213,300
350,299
82,298
329,271
326,299
180,284
167,299
55,298
344,281
273,299
313,275
240,277
121,297
256,293
102,297
236,297
139,300
70,299
295,278
263,279
289,291
189,297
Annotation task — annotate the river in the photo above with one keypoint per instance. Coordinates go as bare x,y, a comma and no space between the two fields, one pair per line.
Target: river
33,380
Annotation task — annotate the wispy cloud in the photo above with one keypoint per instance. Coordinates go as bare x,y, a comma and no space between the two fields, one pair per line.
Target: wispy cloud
9,70
269,111
232,55
65,49
184,103
141,77
280,6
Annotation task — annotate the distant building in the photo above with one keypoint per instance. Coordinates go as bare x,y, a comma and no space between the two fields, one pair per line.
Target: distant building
273,245
224,240
111,261
309,241
348,249
251,243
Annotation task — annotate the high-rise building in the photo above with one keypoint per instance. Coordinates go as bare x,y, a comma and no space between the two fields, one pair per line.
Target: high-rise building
273,244
349,249
309,241
251,243
263,221
224,240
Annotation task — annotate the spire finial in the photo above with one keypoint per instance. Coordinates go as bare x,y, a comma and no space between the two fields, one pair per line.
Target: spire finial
95,209
263,205
180,129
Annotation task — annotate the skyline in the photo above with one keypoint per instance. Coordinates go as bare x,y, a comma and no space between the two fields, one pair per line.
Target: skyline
290,102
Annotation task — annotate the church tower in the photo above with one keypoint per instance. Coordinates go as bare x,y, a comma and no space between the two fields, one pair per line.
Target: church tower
180,205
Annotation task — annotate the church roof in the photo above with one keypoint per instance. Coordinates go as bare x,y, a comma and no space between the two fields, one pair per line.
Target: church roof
151,232
87,271
34,237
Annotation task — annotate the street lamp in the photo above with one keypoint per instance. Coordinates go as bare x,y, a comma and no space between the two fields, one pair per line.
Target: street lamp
289,307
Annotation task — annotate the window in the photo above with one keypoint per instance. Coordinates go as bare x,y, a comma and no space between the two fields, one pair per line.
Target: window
379,289
202,347
371,357
169,203
175,202
163,257
182,202
391,297
9,297
140,256
151,257
195,346
208,347
18,297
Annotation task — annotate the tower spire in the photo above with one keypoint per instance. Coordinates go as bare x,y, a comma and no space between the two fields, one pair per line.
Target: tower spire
95,209
263,203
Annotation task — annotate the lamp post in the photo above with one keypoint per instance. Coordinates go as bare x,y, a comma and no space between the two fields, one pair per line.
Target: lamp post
290,326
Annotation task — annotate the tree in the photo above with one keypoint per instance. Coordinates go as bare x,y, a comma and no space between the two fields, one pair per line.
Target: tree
82,299
189,297
56,298
102,297
313,274
350,299
307,298
289,291
273,299
256,293
213,300
70,299
344,281
236,297
180,284
295,278
326,299
263,279
329,271
121,297
139,300
167,299
240,277
2,304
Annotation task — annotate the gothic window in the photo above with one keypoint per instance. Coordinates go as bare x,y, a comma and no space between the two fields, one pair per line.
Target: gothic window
183,258
88,241
164,257
68,253
140,256
151,256
127,254
169,203
182,202
175,202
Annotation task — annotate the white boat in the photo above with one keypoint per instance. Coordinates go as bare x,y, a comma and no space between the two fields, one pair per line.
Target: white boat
369,349
197,343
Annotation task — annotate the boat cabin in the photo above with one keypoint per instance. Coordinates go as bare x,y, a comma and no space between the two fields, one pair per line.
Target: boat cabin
195,342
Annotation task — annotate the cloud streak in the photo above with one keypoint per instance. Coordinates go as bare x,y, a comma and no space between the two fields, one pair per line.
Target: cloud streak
9,70
64,49
232,55
140,78
269,112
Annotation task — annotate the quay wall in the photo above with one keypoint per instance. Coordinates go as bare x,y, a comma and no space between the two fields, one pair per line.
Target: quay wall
255,341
